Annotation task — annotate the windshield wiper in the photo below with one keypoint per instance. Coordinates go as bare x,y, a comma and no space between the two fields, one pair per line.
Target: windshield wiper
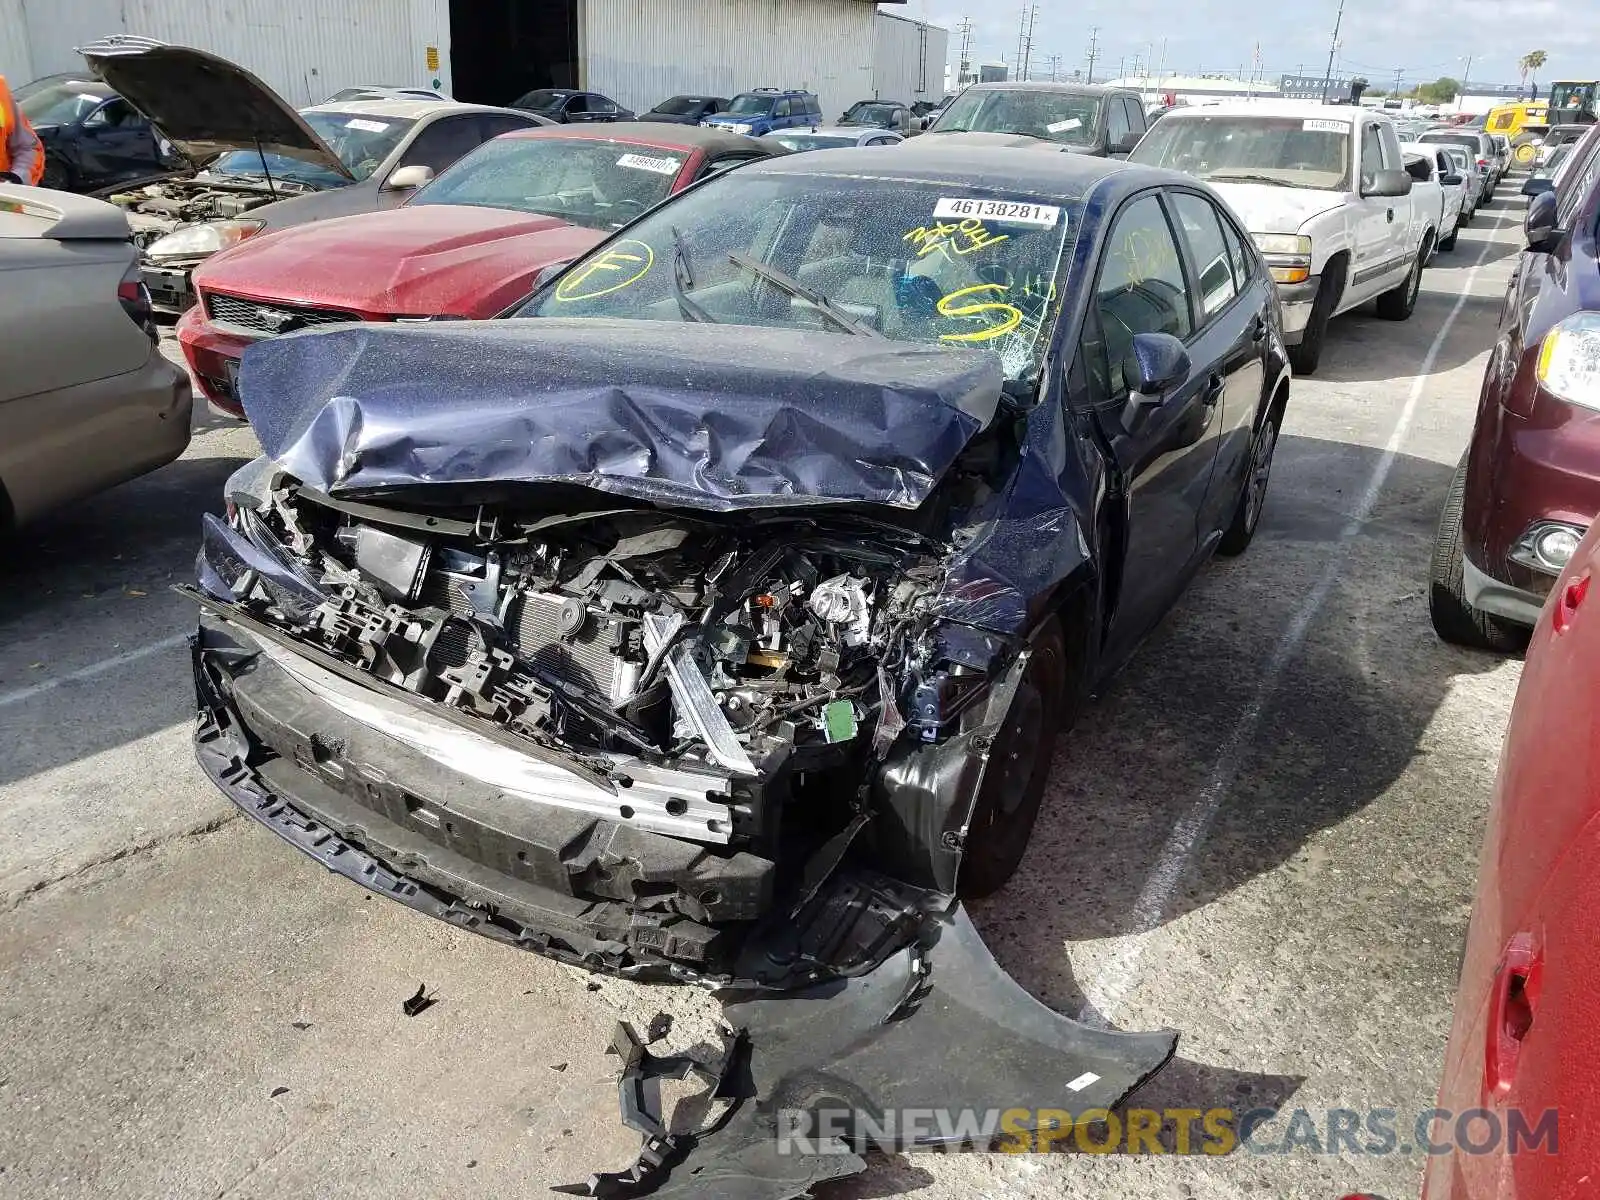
799,291
1247,177
683,278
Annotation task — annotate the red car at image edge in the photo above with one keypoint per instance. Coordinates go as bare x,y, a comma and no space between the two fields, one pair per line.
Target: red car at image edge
466,246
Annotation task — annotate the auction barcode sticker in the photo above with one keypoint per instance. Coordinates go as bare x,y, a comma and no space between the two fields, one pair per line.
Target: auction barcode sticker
644,162
1066,126
365,125
961,208
1319,125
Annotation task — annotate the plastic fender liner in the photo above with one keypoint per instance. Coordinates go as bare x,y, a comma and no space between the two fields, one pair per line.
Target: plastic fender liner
939,1026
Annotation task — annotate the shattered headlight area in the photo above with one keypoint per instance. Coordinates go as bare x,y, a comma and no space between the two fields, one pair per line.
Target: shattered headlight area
736,749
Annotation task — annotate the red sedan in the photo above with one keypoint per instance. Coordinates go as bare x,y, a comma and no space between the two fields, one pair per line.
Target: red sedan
1524,1052
466,246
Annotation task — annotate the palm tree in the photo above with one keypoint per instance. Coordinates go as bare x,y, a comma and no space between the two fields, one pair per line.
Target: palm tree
1529,64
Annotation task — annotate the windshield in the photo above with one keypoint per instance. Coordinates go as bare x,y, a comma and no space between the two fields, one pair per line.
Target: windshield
361,142
1572,97
869,114
751,105
543,100
910,260
599,184
59,104
1304,152
1467,141
813,141
679,106
1054,116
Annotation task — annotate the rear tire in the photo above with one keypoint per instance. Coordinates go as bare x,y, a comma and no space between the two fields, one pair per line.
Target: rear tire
1454,620
1019,767
1397,303
1305,357
1253,495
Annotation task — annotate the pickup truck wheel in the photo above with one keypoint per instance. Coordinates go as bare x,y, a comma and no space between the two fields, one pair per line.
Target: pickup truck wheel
1454,620
1019,766
1305,357
1397,303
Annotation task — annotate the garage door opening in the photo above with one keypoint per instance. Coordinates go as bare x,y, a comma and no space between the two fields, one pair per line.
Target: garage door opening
503,49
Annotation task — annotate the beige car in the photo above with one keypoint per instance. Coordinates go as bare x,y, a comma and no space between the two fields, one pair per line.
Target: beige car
86,399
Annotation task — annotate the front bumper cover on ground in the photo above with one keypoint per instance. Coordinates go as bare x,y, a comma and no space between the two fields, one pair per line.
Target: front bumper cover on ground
922,1019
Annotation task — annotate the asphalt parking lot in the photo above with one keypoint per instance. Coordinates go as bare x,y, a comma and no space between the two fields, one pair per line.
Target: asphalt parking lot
1264,834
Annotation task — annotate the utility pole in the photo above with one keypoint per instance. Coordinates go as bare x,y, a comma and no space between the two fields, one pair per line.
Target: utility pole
1022,38
1055,67
1398,72
1333,48
1465,76
1094,48
964,67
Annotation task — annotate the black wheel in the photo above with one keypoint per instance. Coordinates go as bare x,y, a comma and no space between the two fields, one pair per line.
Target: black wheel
1019,765
1396,304
1454,620
1305,357
1449,243
1253,496
55,175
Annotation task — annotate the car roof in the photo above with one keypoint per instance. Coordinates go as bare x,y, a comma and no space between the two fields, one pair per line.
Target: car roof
399,109
774,92
1064,175
1064,89
651,133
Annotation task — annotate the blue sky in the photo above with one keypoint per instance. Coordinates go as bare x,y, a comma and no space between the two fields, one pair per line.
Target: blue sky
1428,38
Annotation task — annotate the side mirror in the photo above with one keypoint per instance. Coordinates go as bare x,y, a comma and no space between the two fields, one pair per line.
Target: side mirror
1538,185
1451,180
1155,365
405,179
546,274
1539,225
1388,184
1126,145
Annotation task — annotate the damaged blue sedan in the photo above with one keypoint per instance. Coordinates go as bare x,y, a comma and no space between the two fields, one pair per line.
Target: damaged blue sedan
712,617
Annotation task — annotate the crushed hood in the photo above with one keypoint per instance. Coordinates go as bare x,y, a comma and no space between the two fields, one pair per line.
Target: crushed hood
432,259
205,104
698,415
1268,209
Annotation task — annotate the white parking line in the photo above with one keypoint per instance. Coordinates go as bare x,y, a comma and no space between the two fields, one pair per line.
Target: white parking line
93,669
1120,974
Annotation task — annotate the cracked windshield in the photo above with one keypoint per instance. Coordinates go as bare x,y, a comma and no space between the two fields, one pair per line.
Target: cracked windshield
1307,152
910,261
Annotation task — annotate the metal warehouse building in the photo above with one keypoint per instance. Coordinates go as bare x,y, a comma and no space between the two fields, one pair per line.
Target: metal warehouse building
637,51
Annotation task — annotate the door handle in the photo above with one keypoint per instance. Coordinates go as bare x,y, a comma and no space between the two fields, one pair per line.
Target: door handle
1258,328
1213,393
1511,1011
1391,216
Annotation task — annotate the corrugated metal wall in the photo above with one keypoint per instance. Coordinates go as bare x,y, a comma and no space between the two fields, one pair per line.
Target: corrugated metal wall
306,49
16,62
908,59
639,52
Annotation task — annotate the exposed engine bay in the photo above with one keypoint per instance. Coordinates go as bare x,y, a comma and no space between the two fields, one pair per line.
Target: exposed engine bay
156,209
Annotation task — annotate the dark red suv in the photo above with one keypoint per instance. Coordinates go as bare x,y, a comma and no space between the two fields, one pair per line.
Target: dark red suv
1529,484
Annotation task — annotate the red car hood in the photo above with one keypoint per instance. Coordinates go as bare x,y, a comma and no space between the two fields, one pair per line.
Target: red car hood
426,261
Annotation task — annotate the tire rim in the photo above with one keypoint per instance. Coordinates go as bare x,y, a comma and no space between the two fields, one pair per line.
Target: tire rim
1260,472
1415,284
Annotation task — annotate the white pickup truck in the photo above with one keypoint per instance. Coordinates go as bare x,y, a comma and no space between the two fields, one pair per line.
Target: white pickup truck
1324,191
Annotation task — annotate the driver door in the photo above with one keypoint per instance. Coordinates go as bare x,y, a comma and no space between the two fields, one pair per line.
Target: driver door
1165,459
117,144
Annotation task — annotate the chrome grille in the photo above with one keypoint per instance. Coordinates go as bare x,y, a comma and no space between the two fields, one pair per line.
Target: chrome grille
269,318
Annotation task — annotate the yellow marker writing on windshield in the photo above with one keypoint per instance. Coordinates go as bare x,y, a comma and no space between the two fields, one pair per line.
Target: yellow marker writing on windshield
1006,316
623,264
960,237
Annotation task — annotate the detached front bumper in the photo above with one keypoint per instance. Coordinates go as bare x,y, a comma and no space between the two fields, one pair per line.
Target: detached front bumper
1295,301
170,288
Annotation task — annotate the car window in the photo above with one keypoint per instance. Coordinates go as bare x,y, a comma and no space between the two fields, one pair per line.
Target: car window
1142,287
1202,229
727,162
1135,114
494,124
1575,186
1117,126
576,104
1371,155
1239,253
442,142
781,109
59,104
114,114
361,141
601,104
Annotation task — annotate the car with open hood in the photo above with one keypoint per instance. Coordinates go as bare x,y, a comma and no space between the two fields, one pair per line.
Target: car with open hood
713,617
268,166
466,246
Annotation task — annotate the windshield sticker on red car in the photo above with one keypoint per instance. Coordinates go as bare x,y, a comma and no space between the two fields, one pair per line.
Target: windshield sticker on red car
645,162
621,266
1321,125
366,126
1066,126
1006,212
956,237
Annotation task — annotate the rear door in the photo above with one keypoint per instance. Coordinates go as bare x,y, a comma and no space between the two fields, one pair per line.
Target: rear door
1164,462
